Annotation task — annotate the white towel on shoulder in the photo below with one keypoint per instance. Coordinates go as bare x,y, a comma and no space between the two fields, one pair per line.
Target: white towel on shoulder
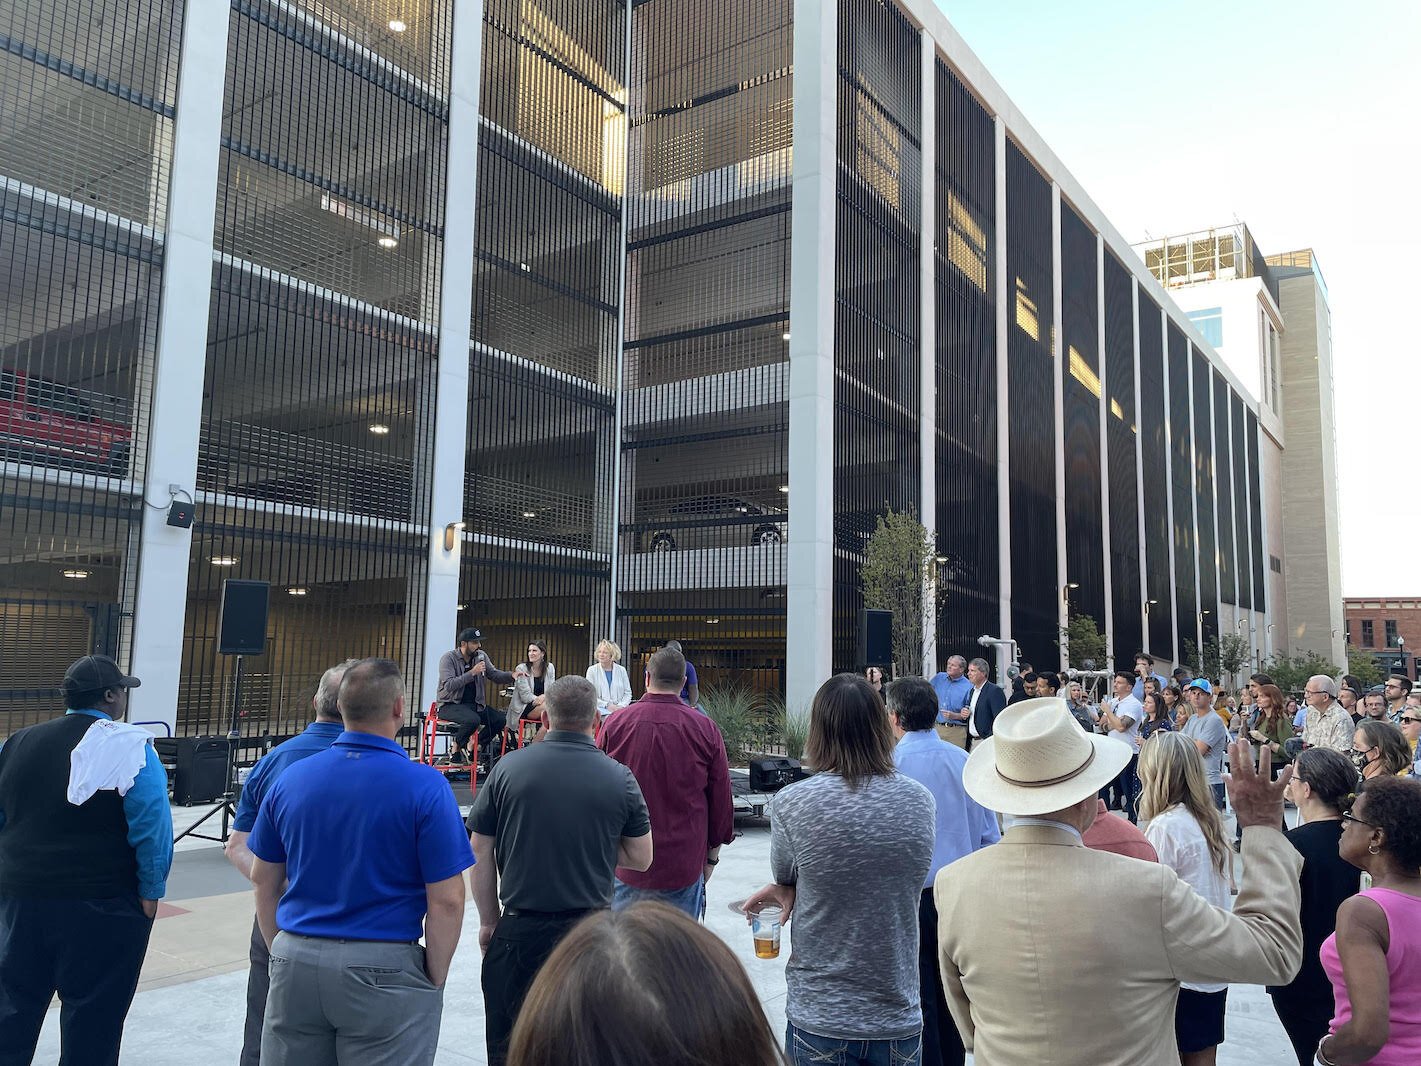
108,757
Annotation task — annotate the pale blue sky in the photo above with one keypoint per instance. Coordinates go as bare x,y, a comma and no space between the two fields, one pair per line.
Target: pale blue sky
1300,119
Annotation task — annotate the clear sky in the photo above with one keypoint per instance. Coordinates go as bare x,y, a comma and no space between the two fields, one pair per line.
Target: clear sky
1301,119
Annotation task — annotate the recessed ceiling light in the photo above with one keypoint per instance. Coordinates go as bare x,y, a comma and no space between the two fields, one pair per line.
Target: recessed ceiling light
784,336
524,266
297,592
223,560
397,25
579,625
76,575
784,488
530,514
379,429
712,621
389,242
463,606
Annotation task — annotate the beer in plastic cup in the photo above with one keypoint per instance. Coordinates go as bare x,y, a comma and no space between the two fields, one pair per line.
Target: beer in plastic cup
765,926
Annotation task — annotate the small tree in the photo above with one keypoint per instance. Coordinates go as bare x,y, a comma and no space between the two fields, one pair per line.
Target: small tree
1291,672
1363,664
897,559
1233,654
1084,643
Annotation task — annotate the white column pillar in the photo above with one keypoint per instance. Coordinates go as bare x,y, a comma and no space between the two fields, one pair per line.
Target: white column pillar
1104,449
927,304
175,418
1058,362
605,616
1140,470
810,567
1169,487
1194,502
1003,407
456,296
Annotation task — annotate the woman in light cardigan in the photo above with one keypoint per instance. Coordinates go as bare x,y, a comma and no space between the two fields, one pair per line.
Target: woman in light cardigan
609,676
530,682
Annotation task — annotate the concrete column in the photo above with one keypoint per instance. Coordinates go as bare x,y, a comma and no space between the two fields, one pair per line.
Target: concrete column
1140,470
1003,407
927,303
1194,506
1104,448
1058,386
160,594
606,614
1169,488
451,408
810,564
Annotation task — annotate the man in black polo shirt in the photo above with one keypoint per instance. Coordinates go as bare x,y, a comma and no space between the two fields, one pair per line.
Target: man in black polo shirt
549,829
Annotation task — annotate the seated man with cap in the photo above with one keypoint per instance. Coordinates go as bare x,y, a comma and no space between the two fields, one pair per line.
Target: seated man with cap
460,695
1040,919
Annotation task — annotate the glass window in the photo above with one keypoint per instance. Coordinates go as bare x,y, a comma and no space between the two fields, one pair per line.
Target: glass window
1369,638
1391,632
1210,321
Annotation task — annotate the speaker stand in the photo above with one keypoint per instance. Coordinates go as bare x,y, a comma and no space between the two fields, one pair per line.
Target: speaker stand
226,805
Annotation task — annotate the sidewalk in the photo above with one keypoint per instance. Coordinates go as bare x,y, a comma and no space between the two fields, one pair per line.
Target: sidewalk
192,994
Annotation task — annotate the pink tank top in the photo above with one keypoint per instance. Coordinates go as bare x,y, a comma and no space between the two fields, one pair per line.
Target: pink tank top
1403,965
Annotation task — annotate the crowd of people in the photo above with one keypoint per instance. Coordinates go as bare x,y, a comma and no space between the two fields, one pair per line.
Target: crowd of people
951,873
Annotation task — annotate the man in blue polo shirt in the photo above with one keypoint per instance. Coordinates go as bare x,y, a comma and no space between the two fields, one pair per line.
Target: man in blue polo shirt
953,692
356,851
317,737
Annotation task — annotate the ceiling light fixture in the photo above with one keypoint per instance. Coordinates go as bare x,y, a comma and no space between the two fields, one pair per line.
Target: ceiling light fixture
530,514
76,575
297,591
223,560
712,621
389,242
784,488
387,231
397,25
784,336
379,429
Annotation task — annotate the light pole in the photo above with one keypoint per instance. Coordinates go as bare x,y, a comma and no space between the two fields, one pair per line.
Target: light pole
1401,647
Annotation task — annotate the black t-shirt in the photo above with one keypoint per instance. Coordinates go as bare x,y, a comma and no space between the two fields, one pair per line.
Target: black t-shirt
537,684
1327,880
557,810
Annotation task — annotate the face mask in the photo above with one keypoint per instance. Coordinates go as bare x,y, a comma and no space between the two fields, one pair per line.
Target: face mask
1359,760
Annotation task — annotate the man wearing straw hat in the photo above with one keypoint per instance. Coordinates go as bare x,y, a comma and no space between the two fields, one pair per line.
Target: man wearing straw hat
1042,928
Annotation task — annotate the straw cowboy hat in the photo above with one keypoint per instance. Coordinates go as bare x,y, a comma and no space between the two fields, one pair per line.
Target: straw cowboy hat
1039,760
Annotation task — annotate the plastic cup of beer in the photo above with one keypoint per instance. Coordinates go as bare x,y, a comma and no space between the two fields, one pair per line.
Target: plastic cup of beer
765,926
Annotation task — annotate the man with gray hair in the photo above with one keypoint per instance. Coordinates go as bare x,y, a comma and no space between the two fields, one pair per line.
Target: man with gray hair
357,851
548,872
984,702
1327,723
953,691
317,737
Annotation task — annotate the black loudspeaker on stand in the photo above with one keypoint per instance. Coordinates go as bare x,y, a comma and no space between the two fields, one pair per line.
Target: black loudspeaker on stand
875,638
241,631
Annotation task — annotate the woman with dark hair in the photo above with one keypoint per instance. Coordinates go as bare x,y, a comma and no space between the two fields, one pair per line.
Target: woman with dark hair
530,680
850,849
1379,749
874,676
1321,786
641,987
1156,716
1374,958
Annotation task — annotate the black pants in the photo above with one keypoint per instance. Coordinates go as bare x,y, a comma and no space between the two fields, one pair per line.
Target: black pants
258,984
942,1044
87,950
520,946
1305,1020
1123,792
469,718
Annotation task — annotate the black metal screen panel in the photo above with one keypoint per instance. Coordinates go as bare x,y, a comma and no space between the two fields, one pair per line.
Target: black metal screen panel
1255,516
317,417
1205,473
1154,447
1080,413
876,326
1224,486
966,369
539,483
1183,492
1243,505
1120,433
705,370
86,126
1032,433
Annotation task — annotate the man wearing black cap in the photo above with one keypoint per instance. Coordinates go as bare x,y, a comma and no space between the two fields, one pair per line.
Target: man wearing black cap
461,691
86,842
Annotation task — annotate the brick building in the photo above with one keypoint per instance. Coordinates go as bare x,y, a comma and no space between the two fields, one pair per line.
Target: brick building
1375,624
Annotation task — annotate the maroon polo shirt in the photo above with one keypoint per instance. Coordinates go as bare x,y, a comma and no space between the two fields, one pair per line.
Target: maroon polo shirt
677,756
1109,833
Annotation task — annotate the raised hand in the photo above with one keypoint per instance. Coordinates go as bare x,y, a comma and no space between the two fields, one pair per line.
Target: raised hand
1256,798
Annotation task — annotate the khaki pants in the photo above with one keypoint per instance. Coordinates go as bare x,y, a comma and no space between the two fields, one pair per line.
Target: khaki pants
953,734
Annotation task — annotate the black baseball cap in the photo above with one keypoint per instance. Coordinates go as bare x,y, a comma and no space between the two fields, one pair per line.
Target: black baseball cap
470,636
95,672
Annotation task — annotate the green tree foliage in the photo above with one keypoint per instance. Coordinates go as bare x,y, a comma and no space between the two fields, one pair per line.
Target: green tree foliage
1220,659
1085,643
1290,672
897,561
1363,664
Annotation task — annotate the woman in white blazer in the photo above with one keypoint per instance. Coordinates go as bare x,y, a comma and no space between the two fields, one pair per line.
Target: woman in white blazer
609,676
530,680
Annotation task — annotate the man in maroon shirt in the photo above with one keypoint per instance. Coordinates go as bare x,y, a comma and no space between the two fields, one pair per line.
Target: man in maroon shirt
1108,833
678,758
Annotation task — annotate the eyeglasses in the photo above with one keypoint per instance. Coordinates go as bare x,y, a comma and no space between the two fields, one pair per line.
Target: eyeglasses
1408,718
1348,816
1315,692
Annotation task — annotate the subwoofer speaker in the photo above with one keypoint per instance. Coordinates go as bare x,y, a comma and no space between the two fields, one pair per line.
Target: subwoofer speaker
241,627
875,638
200,775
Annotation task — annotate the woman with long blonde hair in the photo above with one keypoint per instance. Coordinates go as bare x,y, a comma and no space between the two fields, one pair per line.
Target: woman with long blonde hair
1188,834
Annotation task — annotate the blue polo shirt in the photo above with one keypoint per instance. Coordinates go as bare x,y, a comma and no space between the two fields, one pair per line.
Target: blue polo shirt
362,830
953,694
318,736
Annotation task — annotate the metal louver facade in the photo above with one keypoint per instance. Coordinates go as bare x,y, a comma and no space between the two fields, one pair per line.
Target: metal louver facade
492,327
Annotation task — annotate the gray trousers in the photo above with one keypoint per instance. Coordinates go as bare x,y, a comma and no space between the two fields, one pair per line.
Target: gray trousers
258,981
349,1003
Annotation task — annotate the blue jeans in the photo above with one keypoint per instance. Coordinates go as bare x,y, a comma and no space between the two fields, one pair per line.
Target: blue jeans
691,899
1219,793
806,1049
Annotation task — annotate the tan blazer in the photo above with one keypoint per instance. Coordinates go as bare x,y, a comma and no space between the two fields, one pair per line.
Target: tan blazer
1056,955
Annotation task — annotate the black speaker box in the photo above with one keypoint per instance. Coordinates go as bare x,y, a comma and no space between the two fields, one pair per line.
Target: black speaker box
201,772
875,638
769,773
241,627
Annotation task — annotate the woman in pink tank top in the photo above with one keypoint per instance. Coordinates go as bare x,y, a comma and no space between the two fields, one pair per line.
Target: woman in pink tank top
1374,958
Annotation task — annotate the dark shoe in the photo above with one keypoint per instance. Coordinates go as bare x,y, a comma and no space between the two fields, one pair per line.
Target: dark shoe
459,758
